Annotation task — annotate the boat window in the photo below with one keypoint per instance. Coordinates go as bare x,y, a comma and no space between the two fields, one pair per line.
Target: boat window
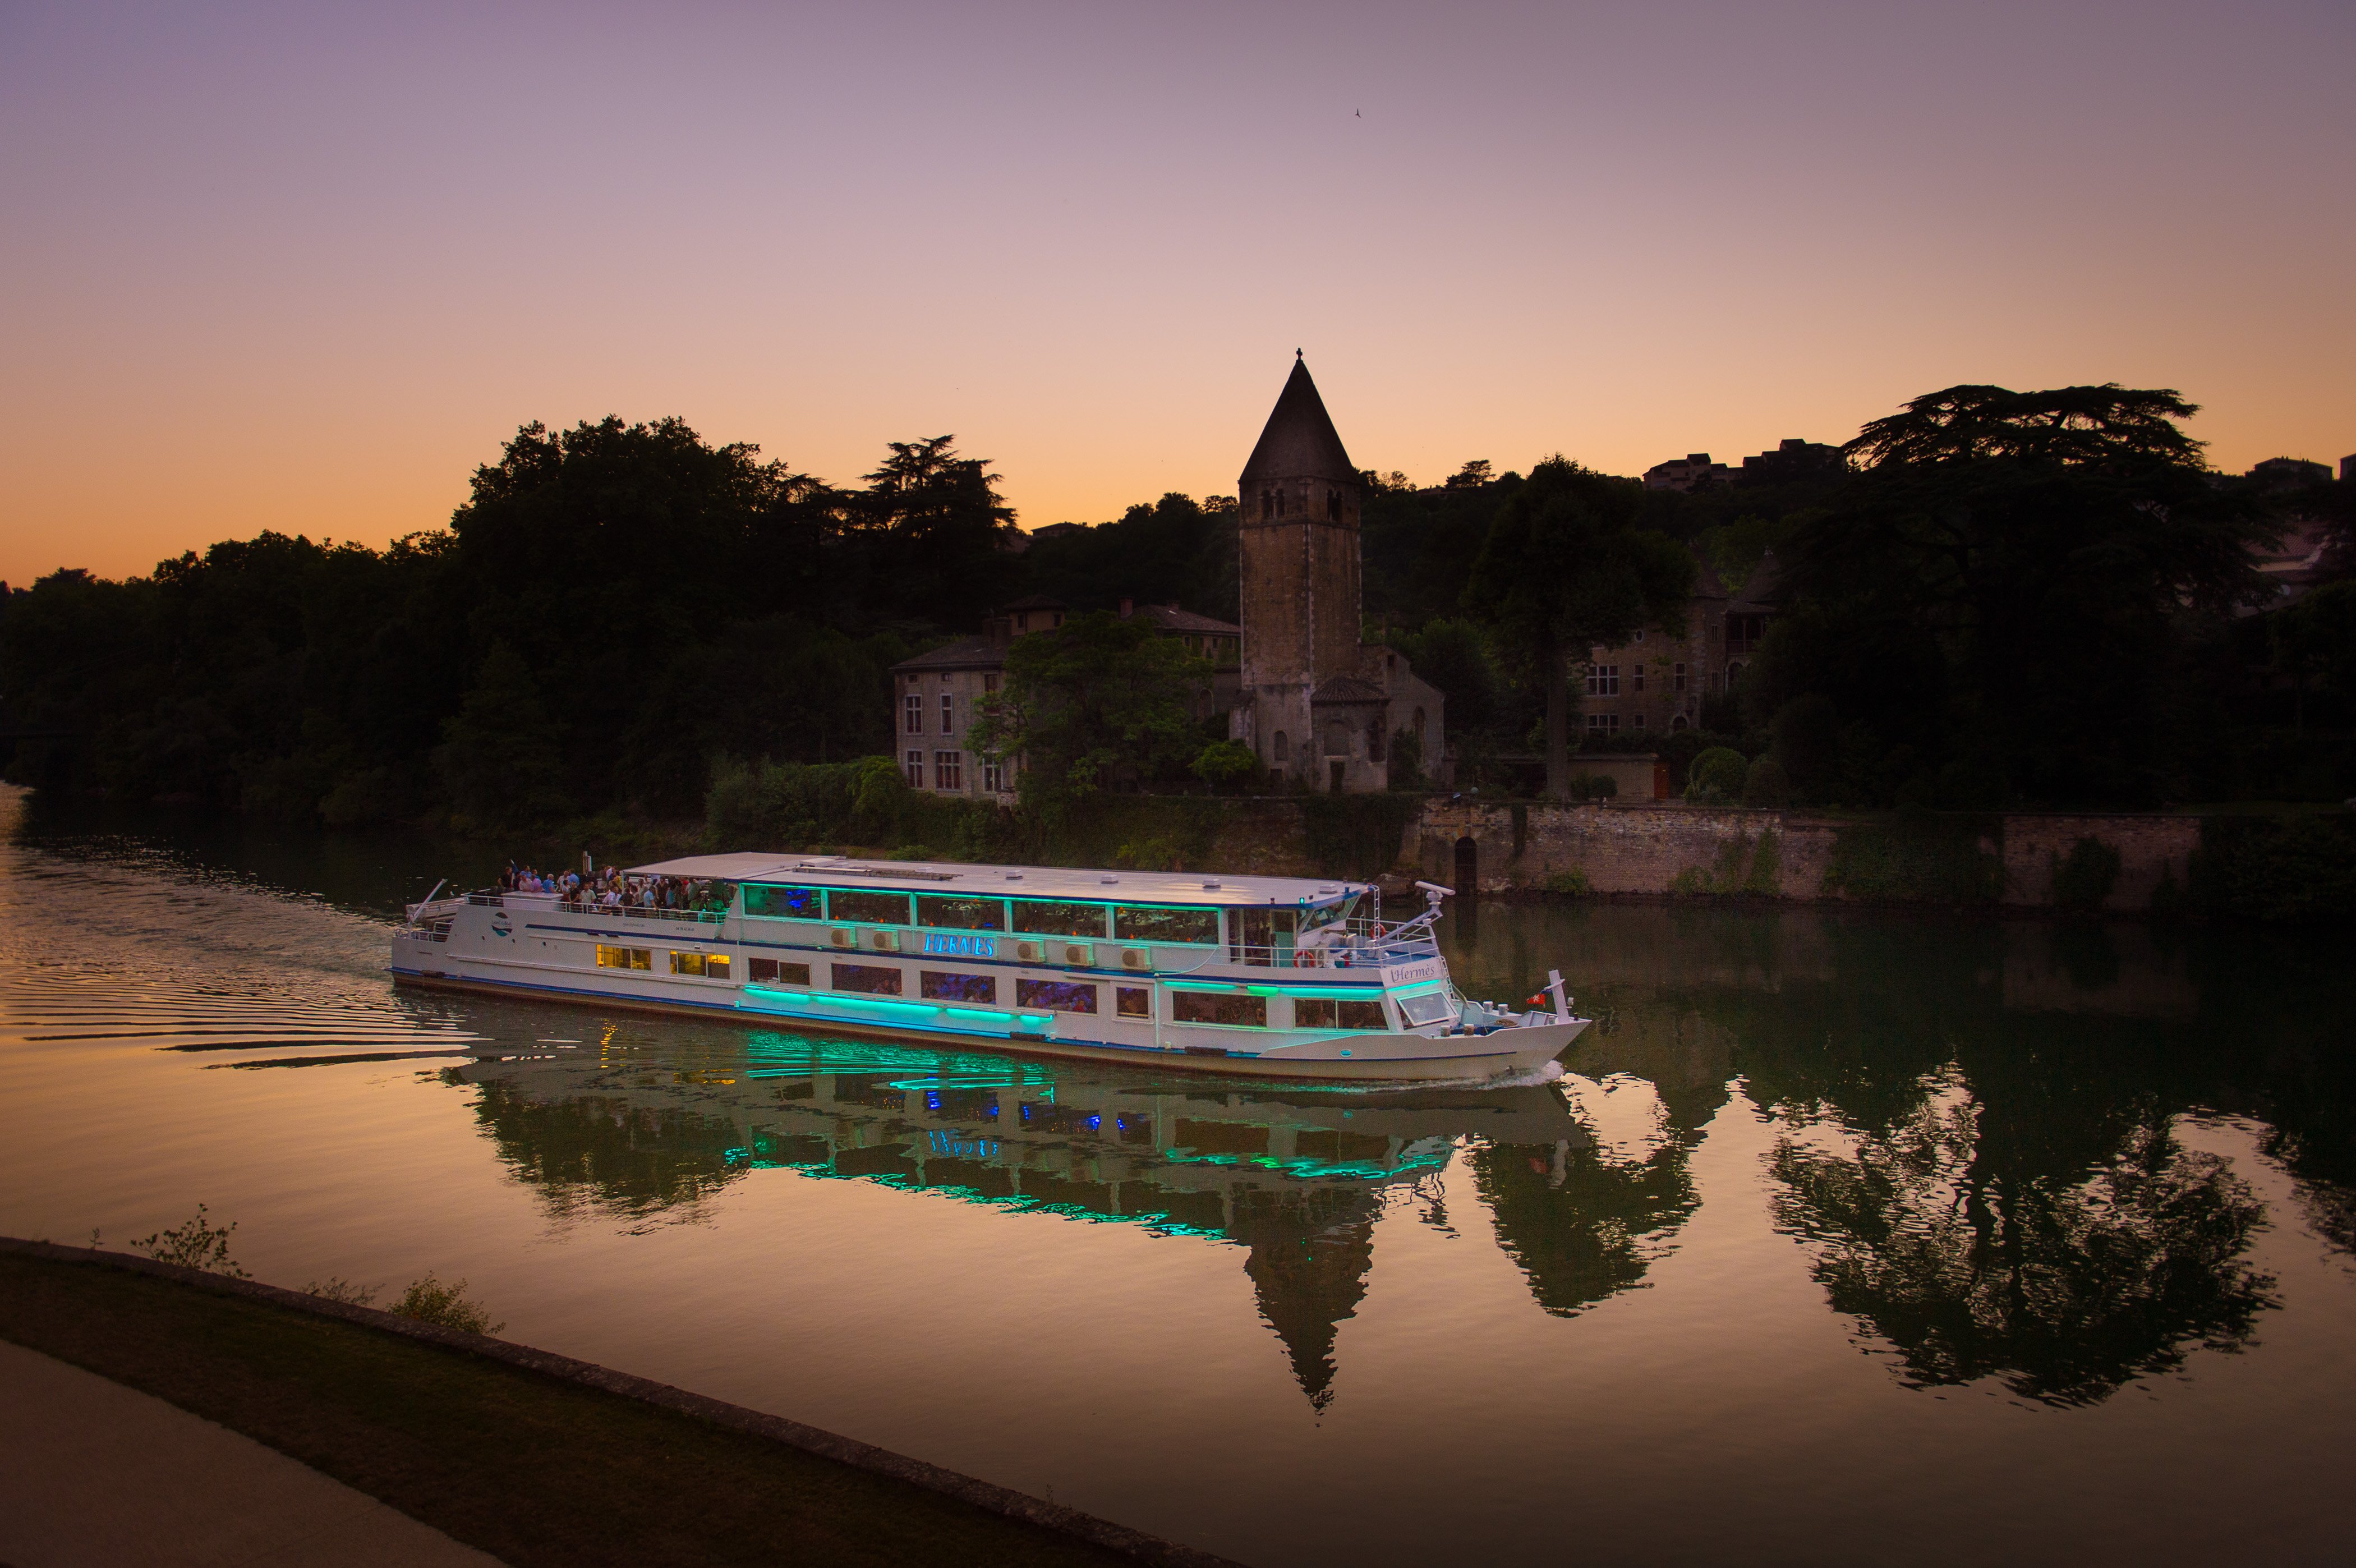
1055,995
1260,933
1205,1007
696,963
961,914
625,958
785,903
871,979
1132,1001
1132,924
771,970
1429,1008
1038,917
1363,1015
946,985
871,908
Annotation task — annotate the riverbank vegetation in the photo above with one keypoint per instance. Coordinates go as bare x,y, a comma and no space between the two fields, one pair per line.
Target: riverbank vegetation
1995,599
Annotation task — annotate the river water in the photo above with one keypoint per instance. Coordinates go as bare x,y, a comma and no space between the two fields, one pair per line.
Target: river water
1841,1238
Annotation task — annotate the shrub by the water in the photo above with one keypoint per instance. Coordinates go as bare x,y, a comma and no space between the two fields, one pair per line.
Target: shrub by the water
1765,785
198,1245
428,1300
1718,775
2084,878
2277,869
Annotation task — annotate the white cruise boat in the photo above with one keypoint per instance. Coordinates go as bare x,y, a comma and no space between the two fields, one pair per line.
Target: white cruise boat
1257,976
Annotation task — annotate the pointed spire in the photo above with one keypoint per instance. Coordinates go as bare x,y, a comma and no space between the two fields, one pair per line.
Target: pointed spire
1300,441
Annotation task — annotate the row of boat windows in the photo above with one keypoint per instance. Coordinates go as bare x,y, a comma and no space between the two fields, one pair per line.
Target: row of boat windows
709,966
1085,996
1048,995
1028,917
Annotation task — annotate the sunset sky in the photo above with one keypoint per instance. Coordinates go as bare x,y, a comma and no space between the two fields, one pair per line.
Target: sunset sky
303,267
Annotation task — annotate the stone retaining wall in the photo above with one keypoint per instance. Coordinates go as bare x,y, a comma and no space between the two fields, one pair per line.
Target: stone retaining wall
2151,850
1667,848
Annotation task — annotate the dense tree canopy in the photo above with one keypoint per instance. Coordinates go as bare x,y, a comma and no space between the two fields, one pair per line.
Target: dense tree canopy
1568,564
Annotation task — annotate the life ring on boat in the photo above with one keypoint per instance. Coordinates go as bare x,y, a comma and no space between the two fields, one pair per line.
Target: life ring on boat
1305,958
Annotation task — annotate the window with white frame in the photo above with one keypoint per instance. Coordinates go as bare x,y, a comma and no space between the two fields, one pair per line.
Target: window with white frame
912,705
1603,680
913,765
1607,722
993,777
949,714
948,770
1635,678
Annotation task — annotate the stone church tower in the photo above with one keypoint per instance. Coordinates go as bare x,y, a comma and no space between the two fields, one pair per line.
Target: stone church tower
1316,703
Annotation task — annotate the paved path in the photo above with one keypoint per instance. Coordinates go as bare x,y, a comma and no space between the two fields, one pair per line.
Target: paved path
91,1472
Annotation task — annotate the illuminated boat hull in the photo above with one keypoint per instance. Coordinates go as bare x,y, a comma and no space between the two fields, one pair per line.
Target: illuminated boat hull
1199,1007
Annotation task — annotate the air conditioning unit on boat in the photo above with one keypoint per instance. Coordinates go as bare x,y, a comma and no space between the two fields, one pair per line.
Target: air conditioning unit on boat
884,941
1031,953
1136,958
1075,952
843,938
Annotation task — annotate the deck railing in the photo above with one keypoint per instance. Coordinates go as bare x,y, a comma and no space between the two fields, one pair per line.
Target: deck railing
638,912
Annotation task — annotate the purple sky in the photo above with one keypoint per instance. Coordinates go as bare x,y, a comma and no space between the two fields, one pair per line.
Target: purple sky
303,267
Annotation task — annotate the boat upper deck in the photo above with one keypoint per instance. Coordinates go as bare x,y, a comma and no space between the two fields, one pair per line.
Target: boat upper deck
1201,890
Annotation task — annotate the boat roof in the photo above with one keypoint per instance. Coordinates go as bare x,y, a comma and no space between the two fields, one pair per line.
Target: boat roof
1205,888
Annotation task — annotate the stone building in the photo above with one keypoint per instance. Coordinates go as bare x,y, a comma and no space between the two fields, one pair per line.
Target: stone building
1317,706
937,696
1655,682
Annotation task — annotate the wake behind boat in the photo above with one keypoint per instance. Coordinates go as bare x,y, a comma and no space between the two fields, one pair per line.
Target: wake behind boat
1263,976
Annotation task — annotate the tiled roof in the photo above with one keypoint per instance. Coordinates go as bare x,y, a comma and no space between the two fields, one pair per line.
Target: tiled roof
973,653
1299,441
1763,589
1347,688
1170,618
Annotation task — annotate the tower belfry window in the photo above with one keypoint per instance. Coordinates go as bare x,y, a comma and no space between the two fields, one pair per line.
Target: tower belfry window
1333,506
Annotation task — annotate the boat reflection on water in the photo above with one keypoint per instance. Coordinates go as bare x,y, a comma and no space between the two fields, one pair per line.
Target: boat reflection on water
1295,1174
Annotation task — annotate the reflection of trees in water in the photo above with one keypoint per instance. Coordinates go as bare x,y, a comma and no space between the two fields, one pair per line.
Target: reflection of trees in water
628,1159
1585,1223
1974,1258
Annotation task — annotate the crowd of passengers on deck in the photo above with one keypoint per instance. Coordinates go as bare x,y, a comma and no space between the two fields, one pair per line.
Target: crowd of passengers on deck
614,889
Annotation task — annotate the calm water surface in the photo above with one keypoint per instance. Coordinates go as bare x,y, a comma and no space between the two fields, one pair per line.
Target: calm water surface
1840,1239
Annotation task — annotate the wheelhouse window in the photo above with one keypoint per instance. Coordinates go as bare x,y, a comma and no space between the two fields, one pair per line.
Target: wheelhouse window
625,958
776,903
1056,995
1209,1007
1135,923
1264,936
1132,1001
867,979
960,914
867,908
1046,918
947,986
773,972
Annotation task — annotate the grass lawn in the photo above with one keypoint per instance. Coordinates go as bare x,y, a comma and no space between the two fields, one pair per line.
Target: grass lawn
530,1468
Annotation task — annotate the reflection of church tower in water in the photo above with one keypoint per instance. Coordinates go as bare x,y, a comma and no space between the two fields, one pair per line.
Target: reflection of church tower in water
1309,1251
1317,704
